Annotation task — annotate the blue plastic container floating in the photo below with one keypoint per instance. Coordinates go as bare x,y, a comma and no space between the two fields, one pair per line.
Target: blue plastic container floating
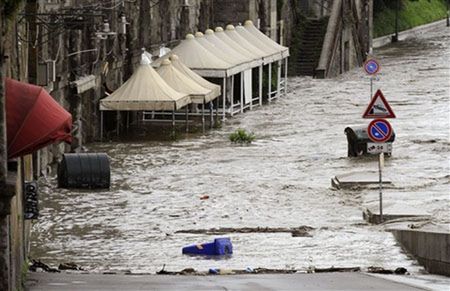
220,247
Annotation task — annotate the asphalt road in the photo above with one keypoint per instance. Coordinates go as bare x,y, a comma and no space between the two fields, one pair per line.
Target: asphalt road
329,281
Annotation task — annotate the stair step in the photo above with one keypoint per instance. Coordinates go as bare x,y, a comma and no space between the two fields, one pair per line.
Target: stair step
311,40
310,47
310,36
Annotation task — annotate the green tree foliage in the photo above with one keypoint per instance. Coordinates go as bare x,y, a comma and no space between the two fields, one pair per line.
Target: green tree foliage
412,13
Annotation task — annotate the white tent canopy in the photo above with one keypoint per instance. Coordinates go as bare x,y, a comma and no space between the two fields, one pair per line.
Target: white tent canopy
248,25
223,54
216,50
272,54
225,47
236,46
228,48
182,83
231,32
194,76
199,59
269,50
239,64
145,90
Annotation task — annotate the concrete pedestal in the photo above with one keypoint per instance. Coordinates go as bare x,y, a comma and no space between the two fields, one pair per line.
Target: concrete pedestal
391,212
359,179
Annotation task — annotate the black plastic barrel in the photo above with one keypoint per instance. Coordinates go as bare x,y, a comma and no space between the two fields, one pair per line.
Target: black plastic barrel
87,170
358,138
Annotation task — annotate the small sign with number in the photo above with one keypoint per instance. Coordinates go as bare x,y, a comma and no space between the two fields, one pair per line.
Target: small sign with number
378,148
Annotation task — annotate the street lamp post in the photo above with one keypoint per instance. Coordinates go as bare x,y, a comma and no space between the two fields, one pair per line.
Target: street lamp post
448,13
397,8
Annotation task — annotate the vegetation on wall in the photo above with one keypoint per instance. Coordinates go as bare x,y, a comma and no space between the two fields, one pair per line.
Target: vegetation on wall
412,13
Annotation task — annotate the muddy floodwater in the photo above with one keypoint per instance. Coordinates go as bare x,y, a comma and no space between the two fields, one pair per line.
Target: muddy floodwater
281,180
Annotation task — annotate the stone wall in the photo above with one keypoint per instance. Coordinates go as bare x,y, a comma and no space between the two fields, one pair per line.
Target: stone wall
234,12
430,248
262,12
13,228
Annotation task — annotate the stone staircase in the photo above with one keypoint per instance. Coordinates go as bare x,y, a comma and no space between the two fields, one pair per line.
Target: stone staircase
311,46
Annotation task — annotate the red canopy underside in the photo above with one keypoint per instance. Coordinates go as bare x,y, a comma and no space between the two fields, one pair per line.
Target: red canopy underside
34,119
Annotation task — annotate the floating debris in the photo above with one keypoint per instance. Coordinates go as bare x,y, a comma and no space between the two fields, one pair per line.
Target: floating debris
333,269
217,271
380,270
69,266
35,265
219,247
249,270
301,231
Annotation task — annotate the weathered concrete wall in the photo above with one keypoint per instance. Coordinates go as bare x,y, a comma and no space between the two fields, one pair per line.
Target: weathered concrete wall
263,12
289,17
430,248
230,11
345,55
347,38
272,30
316,8
13,229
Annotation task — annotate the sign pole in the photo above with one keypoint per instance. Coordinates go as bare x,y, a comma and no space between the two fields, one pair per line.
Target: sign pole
380,166
379,130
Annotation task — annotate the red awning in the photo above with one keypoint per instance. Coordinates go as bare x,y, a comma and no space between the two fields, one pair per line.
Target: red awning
33,118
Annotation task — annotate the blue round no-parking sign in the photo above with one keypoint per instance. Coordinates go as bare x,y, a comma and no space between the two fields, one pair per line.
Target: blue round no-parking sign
371,66
379,130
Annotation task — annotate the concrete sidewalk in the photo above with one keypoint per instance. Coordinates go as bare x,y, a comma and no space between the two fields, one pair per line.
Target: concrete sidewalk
318,281
412,32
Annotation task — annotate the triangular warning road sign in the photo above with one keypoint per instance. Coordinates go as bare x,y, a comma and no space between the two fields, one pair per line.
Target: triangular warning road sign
378,107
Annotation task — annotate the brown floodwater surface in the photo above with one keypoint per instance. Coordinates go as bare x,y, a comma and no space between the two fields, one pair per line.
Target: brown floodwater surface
280,180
